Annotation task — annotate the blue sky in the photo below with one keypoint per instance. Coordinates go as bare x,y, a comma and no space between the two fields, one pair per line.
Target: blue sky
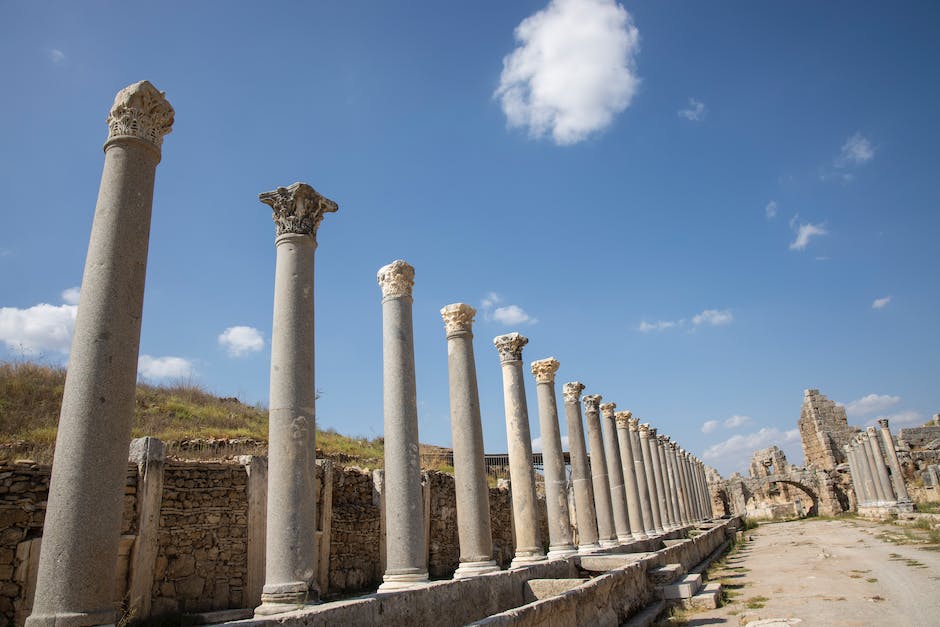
700,209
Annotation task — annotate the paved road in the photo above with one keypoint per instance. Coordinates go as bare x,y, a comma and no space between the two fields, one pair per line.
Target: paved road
827,572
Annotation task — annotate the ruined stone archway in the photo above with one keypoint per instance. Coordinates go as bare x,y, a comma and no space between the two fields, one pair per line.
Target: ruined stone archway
780,498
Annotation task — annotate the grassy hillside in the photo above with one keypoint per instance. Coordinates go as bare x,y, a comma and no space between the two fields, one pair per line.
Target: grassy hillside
193,422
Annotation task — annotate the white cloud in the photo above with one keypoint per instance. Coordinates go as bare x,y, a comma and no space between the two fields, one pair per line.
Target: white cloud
572,71
871,404
537,444
507,314
735,452
902,419
164,367
695,112
240,340
71,295
737,421
804,233
881,303
56,55
659,325
39,328
856,150
709,425
771,210
713,317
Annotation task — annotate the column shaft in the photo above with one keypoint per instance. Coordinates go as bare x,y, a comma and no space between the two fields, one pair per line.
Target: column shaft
632,490
606,530
648,466
618,493
660,503
642,484
897,477
881,468
580,471
863,455
667,488
673,483
881,496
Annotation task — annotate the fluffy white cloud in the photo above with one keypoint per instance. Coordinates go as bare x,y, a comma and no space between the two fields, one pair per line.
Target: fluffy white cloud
507,314
713,317
572,71
164,367
709,425
856,150
804,233
871,404
771,210
240,340
902,419
881,303
737,421
38,329
71,295
734,453
695,112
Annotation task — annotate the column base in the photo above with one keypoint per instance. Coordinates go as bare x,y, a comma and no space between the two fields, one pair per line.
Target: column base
72,619
279,598
589,549
608,544
623,538
640,535
474,569
527,559
395,582
561,552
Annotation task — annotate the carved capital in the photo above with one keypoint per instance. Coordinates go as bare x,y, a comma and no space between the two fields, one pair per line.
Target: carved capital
298,208
623,419
883,423
607,410
572,391
872,433
397,279
652,432
545,369
644,430
510,346
592,403
140,111
458,318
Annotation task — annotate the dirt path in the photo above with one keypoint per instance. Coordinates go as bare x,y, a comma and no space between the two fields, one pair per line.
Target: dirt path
827,572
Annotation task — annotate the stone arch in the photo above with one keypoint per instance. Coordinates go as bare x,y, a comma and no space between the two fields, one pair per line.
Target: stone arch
767,487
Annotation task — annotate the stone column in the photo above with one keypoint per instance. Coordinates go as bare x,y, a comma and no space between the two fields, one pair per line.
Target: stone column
646,510
684,481
660,502
880,495
863,455
291,548
524,515
857,484
618,493
556,484
580,472
473,501
631,488
897,478
649,468
606,530
405,555
697,489
706,498
672,473
77,563
881,468
693,498
667,489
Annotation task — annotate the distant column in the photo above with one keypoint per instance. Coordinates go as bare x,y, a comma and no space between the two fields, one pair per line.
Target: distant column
646,510
697,489
881,495
684,478
76,572
473,502
521,474
881,468
649,468
900,489
606,530
660,503
556,483
618,493
406,554
860,497
674,481
580,472
664,466
863,455
631,487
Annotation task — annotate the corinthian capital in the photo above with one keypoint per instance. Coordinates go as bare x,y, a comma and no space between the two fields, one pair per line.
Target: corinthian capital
298,208
510,346
883,423
653,432
607,410
634,424
397,279
644,430
592,403
623,419
140,111
572,391
545,369
458,318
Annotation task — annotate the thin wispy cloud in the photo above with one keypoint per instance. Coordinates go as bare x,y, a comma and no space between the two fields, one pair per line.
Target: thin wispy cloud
695,112
241,340
56,56
510,315
573,70
881,303
659,325
709,317
771,210
805,232
713,317
709,425
901,419
857,150
871,404
737,421
734,453
162,368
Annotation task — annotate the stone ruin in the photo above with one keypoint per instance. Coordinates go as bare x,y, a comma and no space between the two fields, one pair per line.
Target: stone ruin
824,431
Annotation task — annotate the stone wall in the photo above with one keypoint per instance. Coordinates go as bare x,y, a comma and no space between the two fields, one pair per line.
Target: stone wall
824,430
354,538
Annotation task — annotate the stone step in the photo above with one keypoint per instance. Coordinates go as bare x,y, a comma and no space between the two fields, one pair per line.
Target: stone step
603,563
684,589
647,616
665,574
705,599
538,589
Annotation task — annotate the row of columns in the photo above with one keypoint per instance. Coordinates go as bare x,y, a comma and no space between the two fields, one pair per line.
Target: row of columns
876,471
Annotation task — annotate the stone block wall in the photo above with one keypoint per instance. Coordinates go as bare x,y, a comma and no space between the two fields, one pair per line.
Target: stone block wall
824,430
354,538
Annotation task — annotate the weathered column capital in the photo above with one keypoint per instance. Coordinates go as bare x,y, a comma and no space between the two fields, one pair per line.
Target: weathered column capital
634,423
510,346
871,432
397,279
644,430
572,391
883,423
591,403
545,369
652,433
458,319
607,410
623,419
298,208
142,112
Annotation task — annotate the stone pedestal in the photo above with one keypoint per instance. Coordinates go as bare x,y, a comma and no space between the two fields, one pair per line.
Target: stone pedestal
640,455
524,515
631,488
473,503
580,471
77,562
897,477
618,492
606,530
405,542
556,484
291,548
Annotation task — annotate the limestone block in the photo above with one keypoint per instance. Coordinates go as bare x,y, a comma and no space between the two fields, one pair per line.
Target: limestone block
603,563
688,586
665,574
537,589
